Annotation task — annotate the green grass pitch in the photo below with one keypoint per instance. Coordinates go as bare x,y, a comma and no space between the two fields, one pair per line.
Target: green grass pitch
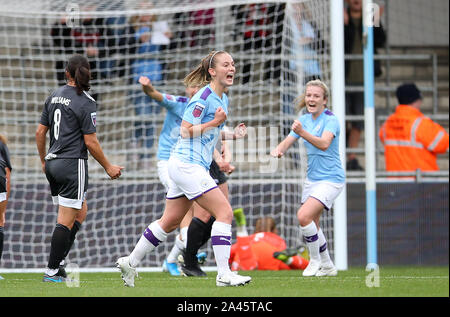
355,282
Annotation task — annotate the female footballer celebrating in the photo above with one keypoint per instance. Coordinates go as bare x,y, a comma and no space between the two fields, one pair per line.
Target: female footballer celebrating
319,129
188,168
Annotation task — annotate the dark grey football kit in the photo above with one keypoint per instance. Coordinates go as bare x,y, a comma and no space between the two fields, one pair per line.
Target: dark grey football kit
69,117
4,162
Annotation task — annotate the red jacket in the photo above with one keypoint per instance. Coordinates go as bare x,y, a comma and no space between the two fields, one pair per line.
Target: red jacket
412,140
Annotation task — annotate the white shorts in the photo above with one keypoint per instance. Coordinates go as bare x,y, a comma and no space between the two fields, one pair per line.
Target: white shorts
163,174
325,192
186,179
2,197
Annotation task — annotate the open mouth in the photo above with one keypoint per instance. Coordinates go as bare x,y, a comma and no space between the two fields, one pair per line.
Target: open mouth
230,76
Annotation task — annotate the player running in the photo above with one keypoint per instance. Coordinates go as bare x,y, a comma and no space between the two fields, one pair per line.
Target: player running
319,129
188,171
170,132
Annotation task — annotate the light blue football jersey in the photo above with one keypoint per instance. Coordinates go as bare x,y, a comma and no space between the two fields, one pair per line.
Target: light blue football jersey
322,165
170,132
201,109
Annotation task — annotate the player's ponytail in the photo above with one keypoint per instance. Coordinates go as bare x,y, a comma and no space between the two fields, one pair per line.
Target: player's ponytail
82,78
79,70
200,76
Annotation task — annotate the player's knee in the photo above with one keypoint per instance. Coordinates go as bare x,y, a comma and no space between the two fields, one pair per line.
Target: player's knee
168,227
303,218
225,214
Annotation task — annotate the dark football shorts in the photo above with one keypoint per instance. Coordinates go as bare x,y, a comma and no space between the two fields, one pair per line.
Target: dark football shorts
215,172
2,188
68,179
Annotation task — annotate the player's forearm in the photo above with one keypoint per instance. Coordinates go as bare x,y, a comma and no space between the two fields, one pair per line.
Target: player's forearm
321,143
40,142
188,130
8,182
228,135
226,153
286,144
93,145
153,93
216,156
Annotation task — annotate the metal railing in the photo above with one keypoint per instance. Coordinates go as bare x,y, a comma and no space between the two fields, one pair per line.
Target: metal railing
384,176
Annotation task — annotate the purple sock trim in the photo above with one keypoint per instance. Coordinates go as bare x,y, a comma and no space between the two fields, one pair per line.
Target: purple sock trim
323,247
148,234
221,240
312,238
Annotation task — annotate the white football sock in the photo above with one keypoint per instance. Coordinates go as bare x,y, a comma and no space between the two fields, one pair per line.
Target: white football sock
221,244
179,245
324,255
312,240
183,233
150,239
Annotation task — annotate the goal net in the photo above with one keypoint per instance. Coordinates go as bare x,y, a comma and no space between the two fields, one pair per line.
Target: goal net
277,46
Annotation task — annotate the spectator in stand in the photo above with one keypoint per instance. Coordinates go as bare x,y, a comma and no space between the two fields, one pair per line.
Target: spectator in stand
261,25
306,41
145,35
411,140
203,35
194,30
354,74
89,37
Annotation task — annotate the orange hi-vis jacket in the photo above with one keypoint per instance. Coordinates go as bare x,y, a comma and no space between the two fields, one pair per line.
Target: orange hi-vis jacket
412,140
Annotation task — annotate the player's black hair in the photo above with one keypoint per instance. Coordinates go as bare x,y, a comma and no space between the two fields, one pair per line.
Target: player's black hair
80,71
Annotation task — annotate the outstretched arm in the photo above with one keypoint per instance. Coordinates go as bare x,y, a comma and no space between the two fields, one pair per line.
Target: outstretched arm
149,90
283,146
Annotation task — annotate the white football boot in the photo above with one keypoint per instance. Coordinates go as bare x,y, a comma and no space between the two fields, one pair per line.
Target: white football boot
327,270
312,268
128,272
232,279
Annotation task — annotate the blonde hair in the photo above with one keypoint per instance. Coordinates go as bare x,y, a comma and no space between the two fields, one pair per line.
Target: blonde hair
300,101
3,139
200,76
265,224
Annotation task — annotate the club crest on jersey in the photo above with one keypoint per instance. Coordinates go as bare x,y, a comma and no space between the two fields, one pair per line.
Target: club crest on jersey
94,118
198,109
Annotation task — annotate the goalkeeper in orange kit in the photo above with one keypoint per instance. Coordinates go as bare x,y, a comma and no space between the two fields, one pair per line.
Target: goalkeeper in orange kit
263,250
